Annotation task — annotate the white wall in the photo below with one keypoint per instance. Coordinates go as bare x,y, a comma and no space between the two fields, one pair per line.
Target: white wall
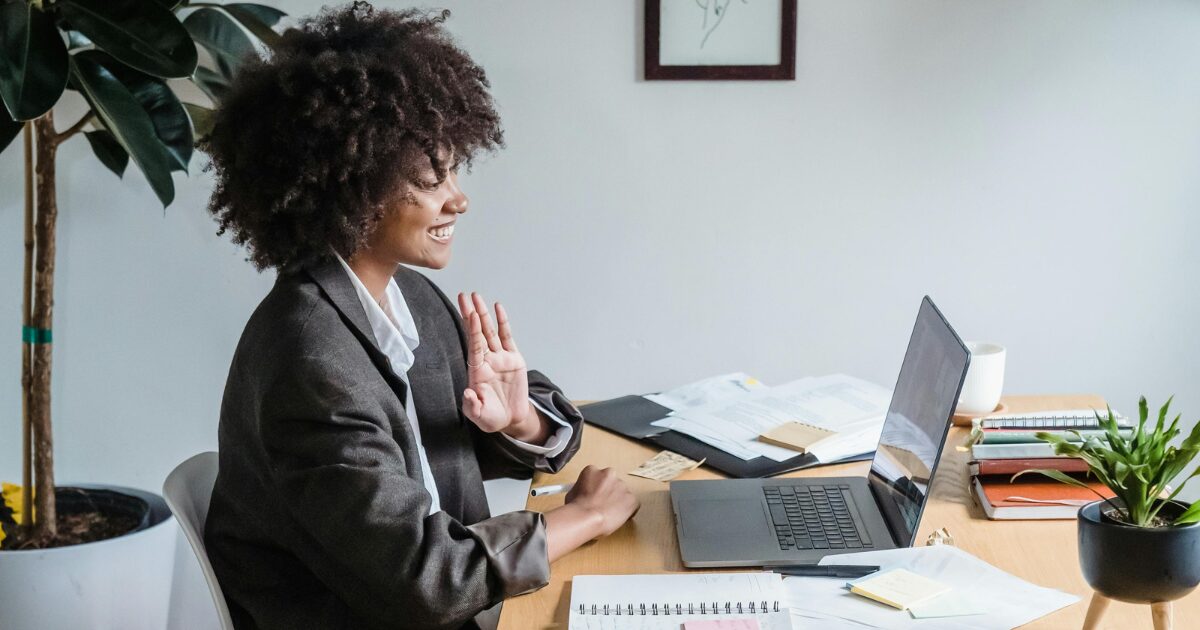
1032,165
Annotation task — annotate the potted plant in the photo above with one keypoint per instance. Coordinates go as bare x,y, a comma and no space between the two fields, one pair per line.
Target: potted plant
1143,545
67,553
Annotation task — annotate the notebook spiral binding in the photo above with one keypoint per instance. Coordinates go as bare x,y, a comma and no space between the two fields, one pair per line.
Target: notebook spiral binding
702,608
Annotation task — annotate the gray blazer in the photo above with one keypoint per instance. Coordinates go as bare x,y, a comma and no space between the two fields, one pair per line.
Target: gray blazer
319,517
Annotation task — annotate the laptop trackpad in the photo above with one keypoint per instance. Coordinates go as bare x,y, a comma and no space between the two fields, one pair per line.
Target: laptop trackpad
726,520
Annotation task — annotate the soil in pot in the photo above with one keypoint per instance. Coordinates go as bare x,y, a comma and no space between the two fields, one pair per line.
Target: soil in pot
85,515
1116,514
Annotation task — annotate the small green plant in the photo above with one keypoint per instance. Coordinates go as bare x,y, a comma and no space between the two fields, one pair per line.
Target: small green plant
1137,469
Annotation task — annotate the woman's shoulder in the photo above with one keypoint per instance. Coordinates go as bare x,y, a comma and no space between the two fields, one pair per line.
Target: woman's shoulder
294,318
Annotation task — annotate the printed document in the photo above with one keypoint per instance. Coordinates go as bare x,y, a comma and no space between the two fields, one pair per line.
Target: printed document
851,407
707,391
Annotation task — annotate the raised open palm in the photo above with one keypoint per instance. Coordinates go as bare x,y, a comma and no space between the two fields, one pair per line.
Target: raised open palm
497,394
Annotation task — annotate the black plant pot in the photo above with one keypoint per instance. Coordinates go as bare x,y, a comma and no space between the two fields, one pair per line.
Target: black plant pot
1140,565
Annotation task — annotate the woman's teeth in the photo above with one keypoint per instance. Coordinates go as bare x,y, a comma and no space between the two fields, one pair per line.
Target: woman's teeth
442,234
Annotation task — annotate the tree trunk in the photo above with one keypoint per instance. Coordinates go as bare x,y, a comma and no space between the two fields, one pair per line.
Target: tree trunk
46,524
26,347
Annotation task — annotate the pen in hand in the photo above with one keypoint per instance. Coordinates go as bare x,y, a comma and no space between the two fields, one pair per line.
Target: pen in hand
542,491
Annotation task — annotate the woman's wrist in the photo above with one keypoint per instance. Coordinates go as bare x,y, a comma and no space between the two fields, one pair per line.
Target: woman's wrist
569,527
533,429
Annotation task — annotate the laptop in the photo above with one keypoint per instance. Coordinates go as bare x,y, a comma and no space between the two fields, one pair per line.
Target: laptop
772,522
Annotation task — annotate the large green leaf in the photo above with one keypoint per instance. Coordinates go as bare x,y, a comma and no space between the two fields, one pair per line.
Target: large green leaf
211,83
221,35
138,33
202,119
129,123
261,12
249,16
171,123
75,39
33,61
108,151
9,129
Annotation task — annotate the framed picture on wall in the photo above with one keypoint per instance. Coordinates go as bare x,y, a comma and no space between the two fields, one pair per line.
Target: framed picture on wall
721,39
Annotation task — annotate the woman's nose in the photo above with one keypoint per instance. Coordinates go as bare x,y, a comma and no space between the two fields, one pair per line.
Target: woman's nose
458,201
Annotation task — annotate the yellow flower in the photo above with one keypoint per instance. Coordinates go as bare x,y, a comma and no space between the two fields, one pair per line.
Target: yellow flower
11,493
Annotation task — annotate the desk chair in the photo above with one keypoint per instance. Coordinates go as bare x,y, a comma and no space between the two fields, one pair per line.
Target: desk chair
188,490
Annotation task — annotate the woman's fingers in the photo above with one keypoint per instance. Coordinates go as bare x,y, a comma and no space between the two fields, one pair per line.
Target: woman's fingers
478,347
489,330
465,306
472,406
506,338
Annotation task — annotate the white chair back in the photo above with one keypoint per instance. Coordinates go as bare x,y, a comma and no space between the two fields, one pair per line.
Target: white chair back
188,490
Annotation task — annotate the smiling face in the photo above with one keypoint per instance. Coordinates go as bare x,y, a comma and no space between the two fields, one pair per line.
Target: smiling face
419,228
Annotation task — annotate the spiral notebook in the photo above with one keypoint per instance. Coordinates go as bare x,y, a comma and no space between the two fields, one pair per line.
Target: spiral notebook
667,602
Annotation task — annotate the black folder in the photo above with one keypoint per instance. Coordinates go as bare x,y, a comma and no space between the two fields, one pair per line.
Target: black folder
631,416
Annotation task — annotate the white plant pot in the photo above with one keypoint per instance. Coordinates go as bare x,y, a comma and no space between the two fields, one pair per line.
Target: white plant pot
123,583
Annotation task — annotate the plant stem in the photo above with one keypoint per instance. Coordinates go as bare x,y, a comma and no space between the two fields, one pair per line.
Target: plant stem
26,348
46,524
74,129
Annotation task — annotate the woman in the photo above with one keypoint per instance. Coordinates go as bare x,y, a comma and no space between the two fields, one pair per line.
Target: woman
361,413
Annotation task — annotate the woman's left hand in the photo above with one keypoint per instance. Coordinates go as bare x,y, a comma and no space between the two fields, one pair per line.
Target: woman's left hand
497,394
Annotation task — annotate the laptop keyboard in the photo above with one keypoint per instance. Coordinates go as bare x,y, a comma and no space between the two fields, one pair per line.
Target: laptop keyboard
814,517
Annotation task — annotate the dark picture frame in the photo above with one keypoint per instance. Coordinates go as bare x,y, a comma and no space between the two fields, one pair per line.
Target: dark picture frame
785,70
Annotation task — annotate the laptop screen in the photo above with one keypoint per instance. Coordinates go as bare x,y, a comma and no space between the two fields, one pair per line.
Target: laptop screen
918,418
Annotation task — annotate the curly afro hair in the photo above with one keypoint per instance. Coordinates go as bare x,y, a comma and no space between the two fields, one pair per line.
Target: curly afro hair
312,143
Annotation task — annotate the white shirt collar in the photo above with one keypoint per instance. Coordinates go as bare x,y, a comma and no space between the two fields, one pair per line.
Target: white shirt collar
392,322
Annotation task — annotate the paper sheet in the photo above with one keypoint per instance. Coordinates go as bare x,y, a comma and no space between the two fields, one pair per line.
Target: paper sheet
852,407
1005,600
948,605
665,466
722,624
707,391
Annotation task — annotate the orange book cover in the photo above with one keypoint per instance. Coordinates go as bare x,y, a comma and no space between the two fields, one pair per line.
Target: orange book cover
1033,498
1023,493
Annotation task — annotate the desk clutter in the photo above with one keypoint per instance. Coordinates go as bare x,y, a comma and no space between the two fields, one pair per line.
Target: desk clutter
935,588
1003,446
941,587
746,429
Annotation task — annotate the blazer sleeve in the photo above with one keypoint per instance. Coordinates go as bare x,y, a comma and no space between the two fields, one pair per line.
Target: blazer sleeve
361,511
499,457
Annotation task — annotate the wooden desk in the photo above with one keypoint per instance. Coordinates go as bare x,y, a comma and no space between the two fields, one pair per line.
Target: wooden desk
1043,552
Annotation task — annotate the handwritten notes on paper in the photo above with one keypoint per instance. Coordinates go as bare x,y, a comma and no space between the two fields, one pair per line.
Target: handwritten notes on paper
665,466
722,624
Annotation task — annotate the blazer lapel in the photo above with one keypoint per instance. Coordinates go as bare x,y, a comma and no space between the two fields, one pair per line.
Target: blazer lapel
331,277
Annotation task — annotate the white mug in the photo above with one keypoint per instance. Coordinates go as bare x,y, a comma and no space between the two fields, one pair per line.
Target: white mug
985,379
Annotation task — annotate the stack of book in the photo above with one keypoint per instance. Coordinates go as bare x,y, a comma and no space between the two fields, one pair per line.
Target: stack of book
1003,446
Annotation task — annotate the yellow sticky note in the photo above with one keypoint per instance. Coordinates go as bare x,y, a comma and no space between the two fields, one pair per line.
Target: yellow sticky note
899,588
